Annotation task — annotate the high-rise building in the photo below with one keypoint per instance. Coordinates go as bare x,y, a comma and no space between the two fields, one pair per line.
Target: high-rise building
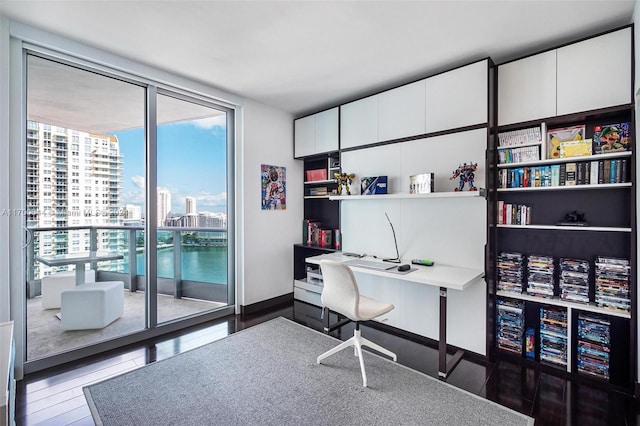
190,205
73,179
164,206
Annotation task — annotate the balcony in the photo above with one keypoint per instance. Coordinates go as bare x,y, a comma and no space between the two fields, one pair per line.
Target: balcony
192,279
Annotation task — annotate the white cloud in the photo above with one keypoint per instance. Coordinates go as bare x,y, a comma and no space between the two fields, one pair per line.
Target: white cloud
211,122
138,181
212,199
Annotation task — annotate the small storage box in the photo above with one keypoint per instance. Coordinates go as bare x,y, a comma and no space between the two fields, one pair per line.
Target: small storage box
316,175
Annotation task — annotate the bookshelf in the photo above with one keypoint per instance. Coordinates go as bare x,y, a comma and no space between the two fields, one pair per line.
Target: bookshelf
538,304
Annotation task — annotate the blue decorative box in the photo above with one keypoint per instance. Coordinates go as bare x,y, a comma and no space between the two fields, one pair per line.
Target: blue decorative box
373,185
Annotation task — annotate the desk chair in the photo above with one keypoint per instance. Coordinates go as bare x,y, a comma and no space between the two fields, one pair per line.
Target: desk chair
340,294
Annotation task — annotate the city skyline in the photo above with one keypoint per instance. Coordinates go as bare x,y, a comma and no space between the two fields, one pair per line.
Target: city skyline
202,176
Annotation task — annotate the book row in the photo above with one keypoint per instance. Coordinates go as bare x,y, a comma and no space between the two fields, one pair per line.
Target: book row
536,275
566,174
520,137
594,337
513,214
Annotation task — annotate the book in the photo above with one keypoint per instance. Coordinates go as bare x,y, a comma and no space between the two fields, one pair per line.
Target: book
571,174
555,175
611,138
606,171
563,174
562,134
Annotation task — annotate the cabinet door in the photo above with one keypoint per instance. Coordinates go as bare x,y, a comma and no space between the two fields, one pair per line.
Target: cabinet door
595,73
401,112
457,98
359,122
527,89
326,131
304,136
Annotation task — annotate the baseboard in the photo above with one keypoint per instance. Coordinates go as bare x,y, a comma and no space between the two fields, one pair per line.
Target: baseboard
266,304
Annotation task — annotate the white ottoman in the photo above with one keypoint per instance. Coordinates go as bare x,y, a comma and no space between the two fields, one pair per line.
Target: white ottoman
53,285
92,305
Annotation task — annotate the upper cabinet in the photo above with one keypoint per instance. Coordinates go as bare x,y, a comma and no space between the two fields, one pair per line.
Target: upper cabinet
401,111
567,80
457,98
527,88
316,134
595,73
359,122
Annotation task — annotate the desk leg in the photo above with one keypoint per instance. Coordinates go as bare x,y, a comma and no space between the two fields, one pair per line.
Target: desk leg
444,367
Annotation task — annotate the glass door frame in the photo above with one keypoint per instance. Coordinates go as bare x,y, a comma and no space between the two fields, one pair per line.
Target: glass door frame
17,197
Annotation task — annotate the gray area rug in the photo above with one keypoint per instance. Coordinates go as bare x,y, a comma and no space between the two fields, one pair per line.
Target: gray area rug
267,375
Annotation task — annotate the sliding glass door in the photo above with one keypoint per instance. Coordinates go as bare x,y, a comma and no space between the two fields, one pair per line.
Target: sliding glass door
88,213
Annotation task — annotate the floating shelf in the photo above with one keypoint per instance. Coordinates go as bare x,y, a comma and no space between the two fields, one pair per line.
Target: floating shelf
569,187
456,194
568,228
556,301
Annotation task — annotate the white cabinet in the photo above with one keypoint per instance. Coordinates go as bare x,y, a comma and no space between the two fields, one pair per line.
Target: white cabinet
457,98
316,134
583,76
527,89
401,111
359,122
595,73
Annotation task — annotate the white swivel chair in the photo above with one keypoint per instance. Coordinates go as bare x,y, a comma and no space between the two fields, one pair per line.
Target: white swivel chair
340,294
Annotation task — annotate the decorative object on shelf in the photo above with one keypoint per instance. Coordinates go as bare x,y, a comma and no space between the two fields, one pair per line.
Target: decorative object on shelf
611,138
373,185
466,173
316,175
421,184
573,218
562,134
274,187
344,180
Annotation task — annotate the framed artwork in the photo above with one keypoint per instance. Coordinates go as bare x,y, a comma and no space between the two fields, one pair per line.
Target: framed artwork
274,187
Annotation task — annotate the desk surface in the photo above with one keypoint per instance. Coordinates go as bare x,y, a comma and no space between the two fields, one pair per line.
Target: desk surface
77,258
450,277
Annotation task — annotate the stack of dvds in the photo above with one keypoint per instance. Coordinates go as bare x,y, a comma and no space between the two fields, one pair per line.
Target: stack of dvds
510,272
553,335
574,280
612,284
510,325
593,345
540,281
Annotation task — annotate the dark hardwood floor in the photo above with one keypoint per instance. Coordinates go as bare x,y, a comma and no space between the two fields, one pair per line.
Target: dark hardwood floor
55,397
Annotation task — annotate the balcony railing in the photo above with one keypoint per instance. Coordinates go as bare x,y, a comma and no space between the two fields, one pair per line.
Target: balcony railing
191,261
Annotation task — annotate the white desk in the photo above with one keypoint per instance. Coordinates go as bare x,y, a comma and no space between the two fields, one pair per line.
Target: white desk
78,259
444,276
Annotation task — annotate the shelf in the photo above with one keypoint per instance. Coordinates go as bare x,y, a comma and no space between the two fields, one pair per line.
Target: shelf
568,187
456,194
556,301
308,197
566,160
567,228
522,145
320,182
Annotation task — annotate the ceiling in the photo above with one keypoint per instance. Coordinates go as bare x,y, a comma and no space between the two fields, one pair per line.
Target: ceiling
303,56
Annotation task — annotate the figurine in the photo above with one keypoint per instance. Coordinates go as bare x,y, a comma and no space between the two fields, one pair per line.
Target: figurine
345,180
466,173
573,218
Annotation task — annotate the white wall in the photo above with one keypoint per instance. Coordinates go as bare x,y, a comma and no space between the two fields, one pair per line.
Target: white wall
4,171
269,235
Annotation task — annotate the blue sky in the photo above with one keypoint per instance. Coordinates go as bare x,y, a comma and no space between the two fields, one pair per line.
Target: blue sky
191,162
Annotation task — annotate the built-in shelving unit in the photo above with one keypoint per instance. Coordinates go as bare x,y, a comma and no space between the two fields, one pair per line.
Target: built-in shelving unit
541,290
